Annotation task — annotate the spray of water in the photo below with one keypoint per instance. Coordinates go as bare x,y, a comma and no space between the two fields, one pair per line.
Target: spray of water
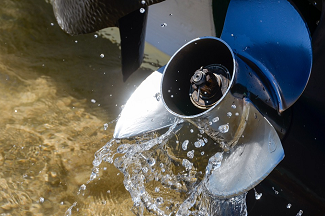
163,182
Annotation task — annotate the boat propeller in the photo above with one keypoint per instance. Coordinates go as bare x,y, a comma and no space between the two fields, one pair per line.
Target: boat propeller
235,88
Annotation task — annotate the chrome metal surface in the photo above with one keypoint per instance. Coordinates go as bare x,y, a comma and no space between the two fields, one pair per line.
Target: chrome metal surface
257,152
250,144
144,111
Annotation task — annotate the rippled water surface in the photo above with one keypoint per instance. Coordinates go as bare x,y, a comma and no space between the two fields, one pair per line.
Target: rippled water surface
57,92
60,96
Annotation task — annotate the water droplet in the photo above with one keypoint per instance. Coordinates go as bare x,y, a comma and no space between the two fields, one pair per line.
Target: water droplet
41,199
157,96
190,154
145,169
105,126
93,175
76,41
170,14
172,96
215,119
187,164
142,10
233,106
159,200
229,114
163,25
157,189
143,2
202,153
289,205
300,213
210,122
184,145
197,144
95,35
52,24
102,55
275,191
83,187
151,161
191,130
236,114
214,162
223,128
257,195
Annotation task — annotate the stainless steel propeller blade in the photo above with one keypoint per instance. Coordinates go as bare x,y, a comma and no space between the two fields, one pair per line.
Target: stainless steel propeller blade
144,111
265,59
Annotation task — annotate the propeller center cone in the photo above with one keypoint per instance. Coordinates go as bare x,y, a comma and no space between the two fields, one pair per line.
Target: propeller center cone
207,85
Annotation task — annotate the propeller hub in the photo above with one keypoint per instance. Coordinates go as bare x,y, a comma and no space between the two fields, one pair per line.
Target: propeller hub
207,85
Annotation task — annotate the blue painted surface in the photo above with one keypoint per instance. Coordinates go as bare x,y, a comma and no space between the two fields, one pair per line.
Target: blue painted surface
273,36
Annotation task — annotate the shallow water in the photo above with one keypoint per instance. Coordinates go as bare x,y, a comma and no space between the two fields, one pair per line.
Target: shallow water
57,92
60,96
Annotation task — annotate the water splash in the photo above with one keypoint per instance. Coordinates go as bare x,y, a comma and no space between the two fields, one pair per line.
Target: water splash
165,181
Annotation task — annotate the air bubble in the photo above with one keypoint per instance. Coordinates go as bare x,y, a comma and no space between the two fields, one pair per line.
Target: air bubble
229,114
191,130
143,2
233,106
163,25
102,55
289,205
93,100
142,10
41,199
